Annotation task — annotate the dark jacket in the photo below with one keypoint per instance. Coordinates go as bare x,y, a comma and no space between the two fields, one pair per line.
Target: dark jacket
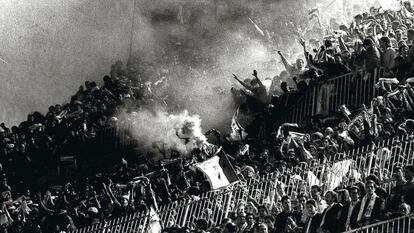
332,216
315,223
376,213
344,214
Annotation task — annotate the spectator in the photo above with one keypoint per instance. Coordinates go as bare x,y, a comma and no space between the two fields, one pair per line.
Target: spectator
313,223
331,215
316,196
281,218
372,206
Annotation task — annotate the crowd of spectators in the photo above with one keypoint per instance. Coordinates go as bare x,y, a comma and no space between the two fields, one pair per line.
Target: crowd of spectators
35,147
340,210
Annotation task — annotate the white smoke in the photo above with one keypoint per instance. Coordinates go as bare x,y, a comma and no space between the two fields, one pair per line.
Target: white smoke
161,132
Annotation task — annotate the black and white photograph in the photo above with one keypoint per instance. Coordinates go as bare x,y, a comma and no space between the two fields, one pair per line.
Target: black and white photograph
207,116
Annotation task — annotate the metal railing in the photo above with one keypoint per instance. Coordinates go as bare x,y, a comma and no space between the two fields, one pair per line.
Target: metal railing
134,223
324,97
266,190
402,224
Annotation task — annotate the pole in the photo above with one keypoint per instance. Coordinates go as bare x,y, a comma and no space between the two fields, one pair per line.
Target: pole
132,30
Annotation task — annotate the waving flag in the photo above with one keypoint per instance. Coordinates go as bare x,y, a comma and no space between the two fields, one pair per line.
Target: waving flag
219,171
237,133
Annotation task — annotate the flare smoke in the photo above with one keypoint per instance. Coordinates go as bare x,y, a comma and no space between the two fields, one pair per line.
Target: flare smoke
161,132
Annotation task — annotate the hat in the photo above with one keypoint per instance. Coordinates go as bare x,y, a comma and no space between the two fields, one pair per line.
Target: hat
93,210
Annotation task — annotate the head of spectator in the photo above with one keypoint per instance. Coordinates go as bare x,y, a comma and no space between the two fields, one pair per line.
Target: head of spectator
230,227
201,225
331,197
302,198
262,211
260,228
300,64
354,193
250,208
398,174
311,207
250,219
405,209
316,192
370,187
398,35
358,18
343,196
248,172
373,178
410,35
368,43
286,204
409,173
241,218
385,42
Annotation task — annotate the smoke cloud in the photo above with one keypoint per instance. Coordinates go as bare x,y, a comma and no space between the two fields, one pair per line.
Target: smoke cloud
161,133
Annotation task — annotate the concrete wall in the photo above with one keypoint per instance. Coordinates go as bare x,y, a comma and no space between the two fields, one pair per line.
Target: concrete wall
50,47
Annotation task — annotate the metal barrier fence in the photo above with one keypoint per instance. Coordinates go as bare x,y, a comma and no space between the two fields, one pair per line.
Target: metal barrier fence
353,89
117,137
379,158
134,223
402,224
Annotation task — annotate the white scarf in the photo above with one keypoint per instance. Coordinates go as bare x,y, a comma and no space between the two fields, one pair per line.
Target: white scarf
369,207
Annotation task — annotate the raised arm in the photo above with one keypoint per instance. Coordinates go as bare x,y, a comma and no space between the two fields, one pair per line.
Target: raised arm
288,66
258,80
241,82
342,44
309,63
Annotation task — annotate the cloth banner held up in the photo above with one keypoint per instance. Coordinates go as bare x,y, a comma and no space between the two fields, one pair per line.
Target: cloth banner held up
219,171
154,222
336,173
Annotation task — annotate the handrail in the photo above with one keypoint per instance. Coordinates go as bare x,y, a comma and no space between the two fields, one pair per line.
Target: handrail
396,225
352,89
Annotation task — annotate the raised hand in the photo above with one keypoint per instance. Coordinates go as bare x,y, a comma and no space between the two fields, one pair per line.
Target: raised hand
302,42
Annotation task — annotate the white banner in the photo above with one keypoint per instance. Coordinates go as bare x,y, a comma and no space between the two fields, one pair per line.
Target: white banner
214,171
336,173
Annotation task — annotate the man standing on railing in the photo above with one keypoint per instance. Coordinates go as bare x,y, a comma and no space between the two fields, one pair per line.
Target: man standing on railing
388,56
297,70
